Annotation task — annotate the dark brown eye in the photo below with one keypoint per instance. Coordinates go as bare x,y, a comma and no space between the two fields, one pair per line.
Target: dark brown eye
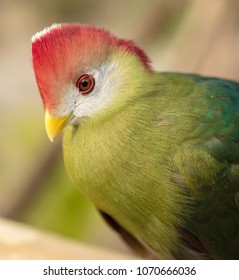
85,84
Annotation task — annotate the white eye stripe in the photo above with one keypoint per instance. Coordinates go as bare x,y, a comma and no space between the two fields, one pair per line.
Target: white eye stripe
103,91
105,88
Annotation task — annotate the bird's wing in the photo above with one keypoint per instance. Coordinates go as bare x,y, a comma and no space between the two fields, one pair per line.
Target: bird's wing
210,170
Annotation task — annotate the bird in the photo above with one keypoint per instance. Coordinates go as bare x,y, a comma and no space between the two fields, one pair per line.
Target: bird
157,153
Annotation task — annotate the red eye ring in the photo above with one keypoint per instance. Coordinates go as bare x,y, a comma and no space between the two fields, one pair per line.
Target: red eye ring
85,84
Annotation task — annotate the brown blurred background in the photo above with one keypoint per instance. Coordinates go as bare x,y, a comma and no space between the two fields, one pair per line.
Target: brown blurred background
200,36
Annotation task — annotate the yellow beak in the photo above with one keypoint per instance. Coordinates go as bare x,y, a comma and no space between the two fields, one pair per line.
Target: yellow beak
53,125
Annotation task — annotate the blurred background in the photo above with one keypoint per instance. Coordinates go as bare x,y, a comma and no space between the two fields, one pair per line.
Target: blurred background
200,36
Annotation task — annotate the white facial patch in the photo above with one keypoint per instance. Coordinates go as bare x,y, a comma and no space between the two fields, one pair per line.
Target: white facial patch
106,87
46,30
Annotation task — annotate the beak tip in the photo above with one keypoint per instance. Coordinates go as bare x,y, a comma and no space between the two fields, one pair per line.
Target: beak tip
51,137
53,125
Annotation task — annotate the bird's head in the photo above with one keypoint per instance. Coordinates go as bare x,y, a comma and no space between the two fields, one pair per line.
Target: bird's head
78,69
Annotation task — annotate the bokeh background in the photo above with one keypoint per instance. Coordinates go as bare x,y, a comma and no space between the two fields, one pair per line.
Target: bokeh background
200,36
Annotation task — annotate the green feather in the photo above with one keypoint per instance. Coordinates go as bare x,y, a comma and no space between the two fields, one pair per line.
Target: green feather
163,156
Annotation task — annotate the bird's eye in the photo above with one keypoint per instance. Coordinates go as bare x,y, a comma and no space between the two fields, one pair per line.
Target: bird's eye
85,84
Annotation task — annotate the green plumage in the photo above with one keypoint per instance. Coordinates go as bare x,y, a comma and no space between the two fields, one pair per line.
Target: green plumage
163,161
157,154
